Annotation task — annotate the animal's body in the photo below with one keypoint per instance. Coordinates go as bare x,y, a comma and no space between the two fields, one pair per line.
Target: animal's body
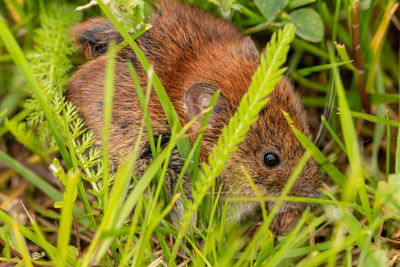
194,54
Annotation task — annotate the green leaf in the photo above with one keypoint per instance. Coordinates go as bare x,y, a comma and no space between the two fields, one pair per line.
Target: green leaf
383,98
308,24
64,230
317,68
270,8
376,258
2,113
333,134
372,118
389,192
299,3
58,204
319,157
341,49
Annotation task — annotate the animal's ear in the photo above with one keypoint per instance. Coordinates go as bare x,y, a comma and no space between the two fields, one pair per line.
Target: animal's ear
248,47
198,96
93,36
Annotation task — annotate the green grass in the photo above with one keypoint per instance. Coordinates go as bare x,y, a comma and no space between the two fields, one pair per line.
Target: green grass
43,141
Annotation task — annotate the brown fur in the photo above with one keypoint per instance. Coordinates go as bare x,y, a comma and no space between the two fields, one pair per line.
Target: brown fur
185,46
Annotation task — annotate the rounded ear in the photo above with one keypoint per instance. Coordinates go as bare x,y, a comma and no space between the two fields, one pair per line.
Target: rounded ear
249,48
94,35
197,98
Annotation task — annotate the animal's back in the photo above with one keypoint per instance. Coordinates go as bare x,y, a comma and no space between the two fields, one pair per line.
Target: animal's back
185,45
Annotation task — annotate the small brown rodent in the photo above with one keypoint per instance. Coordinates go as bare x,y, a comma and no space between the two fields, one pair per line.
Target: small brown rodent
194,54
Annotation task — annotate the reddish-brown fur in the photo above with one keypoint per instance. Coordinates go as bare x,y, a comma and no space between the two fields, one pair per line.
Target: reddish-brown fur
185,46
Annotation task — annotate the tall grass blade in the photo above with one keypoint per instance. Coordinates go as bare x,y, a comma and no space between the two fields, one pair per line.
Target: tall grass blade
318,156
397,163
21,245
333,134
372,118
23,65
355,184
42,185
64,230
387,146
107,113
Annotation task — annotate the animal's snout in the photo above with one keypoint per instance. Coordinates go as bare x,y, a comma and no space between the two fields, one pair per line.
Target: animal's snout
308,182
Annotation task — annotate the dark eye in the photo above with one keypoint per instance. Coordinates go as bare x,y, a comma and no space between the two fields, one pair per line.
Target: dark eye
270,160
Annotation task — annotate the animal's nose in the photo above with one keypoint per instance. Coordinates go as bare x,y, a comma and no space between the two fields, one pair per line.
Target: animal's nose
306,185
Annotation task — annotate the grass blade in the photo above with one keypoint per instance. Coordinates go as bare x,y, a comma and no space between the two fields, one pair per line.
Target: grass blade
37,181
309,70
64,230
355,184
387,146
107,113
397,163
20,60
30,176
333,134
372,118
21,245
318,156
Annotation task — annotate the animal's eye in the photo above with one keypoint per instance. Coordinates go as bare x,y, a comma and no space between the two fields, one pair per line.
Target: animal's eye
270,159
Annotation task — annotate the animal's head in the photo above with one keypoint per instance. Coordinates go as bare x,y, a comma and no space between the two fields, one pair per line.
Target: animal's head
269,153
